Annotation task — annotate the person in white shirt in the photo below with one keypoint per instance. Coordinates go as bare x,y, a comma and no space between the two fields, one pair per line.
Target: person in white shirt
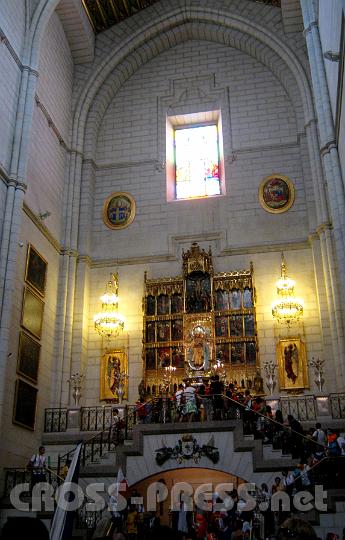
190,409
320,437
341,442
37,465
179,401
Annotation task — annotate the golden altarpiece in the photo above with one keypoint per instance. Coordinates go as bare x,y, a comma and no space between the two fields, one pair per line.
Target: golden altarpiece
199,324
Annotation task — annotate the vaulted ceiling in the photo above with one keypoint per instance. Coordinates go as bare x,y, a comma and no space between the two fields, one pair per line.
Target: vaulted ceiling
105,13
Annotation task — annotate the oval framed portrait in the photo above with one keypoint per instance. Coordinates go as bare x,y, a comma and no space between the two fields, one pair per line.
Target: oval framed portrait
119,210
276,193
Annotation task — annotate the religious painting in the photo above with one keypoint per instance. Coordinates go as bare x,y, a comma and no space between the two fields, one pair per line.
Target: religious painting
293,374
163,331
163,354
176,303
32,313
221,301
177,330
222,329
177,359
247,298
198,293
222,353
249,329
150,305
150,359
237,353
25,401
236,325
150,332
235,299
163,304
119,210
198,341
36,270
251,352
28,357
114,383
276,193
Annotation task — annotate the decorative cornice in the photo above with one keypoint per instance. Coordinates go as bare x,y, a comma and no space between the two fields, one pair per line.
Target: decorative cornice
324,227
6,42
327,147
310,122
126,164
312,25
86,259
42,228
50,121
265,147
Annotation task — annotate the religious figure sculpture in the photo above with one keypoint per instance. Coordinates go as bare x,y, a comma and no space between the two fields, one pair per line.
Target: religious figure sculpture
199,349
113,371
142,389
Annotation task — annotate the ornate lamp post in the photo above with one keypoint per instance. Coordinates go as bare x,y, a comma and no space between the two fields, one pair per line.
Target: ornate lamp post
120,384
317,365
76,379
269,369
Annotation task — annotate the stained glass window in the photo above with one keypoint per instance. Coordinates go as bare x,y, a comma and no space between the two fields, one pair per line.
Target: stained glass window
197,162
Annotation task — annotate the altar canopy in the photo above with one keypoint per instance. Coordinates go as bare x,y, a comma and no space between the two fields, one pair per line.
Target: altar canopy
197,321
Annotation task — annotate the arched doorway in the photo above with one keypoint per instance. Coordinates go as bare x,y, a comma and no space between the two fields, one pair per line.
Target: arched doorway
194,477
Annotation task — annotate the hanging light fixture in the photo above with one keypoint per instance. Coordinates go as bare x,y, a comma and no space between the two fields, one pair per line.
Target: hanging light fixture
109,323
287,309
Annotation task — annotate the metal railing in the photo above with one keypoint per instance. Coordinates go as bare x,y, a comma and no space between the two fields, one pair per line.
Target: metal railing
95,418
21,475
337,402
55,420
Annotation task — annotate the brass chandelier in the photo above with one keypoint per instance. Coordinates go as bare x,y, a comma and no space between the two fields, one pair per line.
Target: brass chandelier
287,309
109,323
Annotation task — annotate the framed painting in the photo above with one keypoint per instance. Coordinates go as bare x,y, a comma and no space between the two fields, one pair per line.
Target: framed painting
28,357
293,372
276,193
36,270
32,313
25,402
119,210
114,365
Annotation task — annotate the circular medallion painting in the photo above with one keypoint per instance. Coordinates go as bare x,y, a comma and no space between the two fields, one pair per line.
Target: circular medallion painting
119,210
276,193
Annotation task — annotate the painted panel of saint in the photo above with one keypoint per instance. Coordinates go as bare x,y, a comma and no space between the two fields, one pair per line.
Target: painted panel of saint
163,304
177,358
198,294
150,305
236,325
177,330
251,352
150,360
222,327
176,303
150,332
249,325
235,299
163,331
247,298
163,357
222,353
221,301
237,353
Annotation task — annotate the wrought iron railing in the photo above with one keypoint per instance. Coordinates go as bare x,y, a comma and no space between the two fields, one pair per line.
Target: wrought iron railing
95,418
301,407
21,475
55,420
337,405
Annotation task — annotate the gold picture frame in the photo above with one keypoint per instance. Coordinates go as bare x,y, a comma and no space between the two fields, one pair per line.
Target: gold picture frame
119,210
112,363
292,362
276,193
32,313
25,405
36,270
28,357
